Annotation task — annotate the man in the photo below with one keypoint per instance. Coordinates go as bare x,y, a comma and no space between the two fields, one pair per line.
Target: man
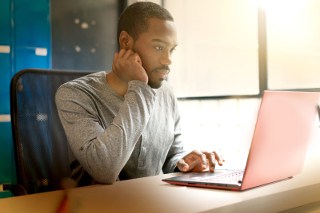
125,123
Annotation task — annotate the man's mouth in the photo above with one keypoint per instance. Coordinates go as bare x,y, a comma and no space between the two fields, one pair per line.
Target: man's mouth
162,71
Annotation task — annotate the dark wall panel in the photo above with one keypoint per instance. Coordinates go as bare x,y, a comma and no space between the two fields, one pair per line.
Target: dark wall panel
84,33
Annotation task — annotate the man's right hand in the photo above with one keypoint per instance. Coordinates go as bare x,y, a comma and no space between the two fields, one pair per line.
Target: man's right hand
127,65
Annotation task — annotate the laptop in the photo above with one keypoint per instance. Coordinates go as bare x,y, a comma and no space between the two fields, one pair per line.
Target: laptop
279,144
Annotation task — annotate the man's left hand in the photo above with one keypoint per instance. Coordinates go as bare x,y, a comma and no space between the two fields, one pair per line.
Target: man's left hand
199,161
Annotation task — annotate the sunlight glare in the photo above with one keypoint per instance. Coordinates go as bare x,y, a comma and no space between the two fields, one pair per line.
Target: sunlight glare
288,20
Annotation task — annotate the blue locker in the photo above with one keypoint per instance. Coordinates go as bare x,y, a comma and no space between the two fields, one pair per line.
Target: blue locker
5,24
5,55
32,30
7,164
26,57
32,23
25,41
7,168
5,76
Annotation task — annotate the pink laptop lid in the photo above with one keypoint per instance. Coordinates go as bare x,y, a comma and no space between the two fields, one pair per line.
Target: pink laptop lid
281,136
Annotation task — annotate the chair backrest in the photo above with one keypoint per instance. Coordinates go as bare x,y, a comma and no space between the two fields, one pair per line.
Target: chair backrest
41,149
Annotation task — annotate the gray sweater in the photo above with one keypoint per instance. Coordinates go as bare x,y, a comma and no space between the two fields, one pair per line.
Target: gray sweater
113,137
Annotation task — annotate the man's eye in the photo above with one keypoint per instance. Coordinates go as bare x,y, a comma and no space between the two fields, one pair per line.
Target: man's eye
158,48
172,50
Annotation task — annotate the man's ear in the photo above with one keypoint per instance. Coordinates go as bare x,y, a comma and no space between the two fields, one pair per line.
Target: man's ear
125,40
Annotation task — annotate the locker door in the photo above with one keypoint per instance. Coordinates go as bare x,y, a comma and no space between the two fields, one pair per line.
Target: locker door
7,169
32,34
5,51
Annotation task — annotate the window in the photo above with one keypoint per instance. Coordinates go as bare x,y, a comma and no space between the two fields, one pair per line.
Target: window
218,53
218,48
293,44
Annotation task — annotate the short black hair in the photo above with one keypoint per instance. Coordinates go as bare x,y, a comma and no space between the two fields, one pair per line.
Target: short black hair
134,19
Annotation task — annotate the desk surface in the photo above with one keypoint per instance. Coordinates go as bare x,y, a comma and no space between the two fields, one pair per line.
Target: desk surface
152,195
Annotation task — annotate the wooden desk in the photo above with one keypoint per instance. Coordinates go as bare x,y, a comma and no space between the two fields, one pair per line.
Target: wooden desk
152,195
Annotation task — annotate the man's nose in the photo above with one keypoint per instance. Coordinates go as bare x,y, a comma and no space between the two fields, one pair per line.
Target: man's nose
166,58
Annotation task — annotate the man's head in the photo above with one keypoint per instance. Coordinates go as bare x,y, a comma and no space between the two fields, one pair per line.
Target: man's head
148,30
134,20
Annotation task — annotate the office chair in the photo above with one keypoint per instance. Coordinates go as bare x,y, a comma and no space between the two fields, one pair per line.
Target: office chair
41,150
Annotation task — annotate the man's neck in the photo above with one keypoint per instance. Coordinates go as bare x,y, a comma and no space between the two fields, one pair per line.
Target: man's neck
120,87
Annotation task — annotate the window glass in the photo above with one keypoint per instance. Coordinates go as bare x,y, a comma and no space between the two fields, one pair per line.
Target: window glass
218,48
293,44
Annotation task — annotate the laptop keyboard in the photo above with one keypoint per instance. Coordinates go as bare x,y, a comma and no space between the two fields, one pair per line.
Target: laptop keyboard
233,176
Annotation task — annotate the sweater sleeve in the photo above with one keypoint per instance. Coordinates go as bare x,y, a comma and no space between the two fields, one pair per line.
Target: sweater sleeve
103,152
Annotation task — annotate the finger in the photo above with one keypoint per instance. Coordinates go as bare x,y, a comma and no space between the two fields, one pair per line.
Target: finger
191,165
128,53
212,161
115,59
183,166
138,59
218,158
201,156
122,52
